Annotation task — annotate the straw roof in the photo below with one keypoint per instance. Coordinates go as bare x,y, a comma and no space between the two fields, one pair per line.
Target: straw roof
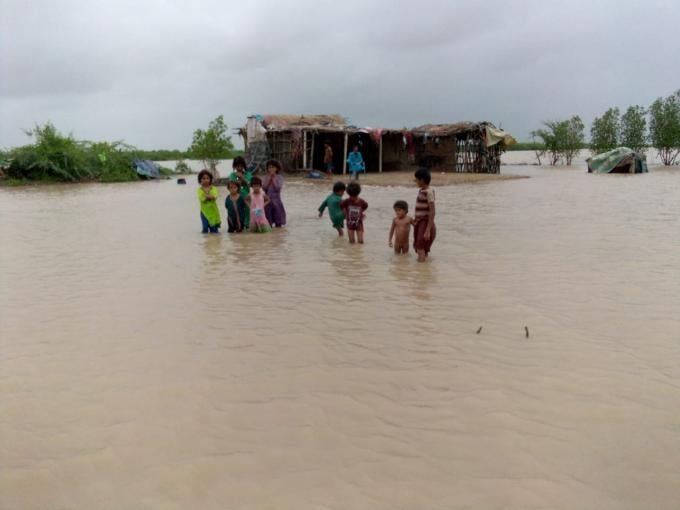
447,129
283,122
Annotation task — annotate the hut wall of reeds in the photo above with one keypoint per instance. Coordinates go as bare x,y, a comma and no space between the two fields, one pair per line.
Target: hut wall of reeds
298,142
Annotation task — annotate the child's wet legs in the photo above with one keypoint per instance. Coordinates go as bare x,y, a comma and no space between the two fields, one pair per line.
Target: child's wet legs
205,224
350,234
360,236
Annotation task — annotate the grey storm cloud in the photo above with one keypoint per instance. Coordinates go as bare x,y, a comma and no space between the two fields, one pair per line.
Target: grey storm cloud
150,72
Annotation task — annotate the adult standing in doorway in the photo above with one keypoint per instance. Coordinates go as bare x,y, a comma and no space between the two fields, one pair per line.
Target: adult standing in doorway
356,162
328,159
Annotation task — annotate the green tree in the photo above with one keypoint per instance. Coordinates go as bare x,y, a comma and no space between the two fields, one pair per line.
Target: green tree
574,138
212,144
664,127
563,139
53,156
549,143
604,132
538,148
634,128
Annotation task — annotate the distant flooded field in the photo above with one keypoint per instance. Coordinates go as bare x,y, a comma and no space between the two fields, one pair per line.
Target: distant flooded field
144,365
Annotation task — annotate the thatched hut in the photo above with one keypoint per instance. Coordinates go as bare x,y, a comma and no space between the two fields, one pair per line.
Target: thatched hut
297,141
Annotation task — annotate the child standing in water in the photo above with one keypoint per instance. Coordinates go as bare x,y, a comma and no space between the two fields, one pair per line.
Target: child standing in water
333,203
242,177
424,231
272,184
328,159
207,196
356,163
236,208
354,208
257,201
401,228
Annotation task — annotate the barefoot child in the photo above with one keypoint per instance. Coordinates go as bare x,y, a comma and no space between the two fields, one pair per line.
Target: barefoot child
257,201
424,231
333,203
354,208
401,228
328,159
236,208
207,196
272,184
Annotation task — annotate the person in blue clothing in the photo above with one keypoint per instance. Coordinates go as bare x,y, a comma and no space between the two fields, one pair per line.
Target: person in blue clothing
356,162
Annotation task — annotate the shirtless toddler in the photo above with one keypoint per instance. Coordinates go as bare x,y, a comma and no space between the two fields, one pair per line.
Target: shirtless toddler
401,227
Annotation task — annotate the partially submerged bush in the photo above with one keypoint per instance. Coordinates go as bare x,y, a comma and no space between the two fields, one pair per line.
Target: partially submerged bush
56,157
181,167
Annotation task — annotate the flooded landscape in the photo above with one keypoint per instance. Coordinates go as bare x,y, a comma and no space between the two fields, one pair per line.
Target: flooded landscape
145,365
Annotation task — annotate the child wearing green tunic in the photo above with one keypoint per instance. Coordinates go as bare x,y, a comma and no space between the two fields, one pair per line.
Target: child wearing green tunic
243,178
333,203
207,196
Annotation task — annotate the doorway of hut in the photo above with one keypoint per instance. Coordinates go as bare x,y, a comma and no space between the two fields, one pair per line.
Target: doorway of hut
368,148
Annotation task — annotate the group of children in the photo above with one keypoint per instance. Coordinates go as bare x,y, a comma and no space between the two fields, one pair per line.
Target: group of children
255,204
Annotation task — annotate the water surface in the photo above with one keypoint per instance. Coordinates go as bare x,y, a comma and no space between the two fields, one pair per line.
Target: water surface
144,365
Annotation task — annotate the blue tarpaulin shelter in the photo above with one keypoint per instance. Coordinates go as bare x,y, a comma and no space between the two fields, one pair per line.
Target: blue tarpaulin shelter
147,169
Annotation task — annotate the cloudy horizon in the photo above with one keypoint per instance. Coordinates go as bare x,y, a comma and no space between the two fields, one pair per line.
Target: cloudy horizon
152,72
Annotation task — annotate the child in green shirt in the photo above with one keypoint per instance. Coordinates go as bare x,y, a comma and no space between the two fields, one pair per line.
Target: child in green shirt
207,196
333,203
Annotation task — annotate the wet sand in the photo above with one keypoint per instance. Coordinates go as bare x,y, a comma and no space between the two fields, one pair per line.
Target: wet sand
406,178
144,365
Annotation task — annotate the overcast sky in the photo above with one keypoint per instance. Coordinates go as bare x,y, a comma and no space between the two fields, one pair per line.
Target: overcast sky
150,72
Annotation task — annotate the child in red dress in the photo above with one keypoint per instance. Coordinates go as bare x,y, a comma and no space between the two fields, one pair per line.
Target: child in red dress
354,208
424,231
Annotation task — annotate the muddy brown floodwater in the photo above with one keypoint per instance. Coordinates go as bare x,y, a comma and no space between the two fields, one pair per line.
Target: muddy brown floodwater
146,366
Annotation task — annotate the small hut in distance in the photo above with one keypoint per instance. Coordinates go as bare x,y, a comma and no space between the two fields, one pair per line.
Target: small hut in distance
297,141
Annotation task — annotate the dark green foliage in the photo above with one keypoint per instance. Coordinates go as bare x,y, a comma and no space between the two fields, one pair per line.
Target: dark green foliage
664,127
563,140
634,128
212,144
181,167
52,156
56,157
604,133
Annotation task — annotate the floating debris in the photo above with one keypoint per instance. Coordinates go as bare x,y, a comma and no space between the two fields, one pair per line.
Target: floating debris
479,330
526,330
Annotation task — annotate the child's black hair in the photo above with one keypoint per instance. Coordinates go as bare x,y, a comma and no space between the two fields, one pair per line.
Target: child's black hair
202,173
239,161
233,183
353,189
339,186
275,163
256,181
401,204
423,174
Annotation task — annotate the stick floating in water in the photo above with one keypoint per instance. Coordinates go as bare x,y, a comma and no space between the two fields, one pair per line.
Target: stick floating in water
479,330
526,330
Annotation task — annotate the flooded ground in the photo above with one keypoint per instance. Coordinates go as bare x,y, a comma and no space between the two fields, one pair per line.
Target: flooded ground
146,366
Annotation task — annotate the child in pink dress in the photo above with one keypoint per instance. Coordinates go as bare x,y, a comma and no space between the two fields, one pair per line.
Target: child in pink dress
257,201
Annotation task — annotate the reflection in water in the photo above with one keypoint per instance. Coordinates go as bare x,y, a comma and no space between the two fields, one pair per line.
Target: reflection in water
162,368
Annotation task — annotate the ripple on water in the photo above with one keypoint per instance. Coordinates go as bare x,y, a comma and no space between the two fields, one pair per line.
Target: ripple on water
293,370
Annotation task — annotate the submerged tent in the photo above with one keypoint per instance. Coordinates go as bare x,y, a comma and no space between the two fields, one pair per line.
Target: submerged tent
147,169
621,160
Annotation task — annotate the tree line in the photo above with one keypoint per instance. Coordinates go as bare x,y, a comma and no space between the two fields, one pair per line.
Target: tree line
54,156
638,128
